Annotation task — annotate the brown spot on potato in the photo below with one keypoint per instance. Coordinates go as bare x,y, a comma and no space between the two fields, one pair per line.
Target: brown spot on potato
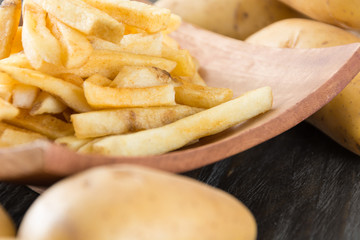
161,72
237,15
168,117
132,121
162,75
325,43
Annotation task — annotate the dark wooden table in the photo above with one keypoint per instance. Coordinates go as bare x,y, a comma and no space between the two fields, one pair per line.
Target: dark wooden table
299,185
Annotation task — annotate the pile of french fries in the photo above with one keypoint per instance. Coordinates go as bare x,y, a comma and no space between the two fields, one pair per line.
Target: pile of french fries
104,77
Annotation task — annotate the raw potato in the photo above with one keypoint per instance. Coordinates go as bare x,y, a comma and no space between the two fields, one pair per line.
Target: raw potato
129,202
7,227
234,18
340,119
343,13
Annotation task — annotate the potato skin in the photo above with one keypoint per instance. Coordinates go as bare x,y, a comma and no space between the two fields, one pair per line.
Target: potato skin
340,118
234,18
7,228
129,202
343,13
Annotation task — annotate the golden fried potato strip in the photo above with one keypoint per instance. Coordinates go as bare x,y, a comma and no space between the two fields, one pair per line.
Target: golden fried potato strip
152,19
201,96
85,18
40,46
100,97
45,124
10,12
108,122
69,93
178,134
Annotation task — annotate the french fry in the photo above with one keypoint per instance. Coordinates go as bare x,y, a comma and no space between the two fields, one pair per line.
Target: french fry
104,62
72,95
4,126
46,103
170,42
152,19
85,18
174,23
132,30
47,125
86,148
72,78
6,92
40,46
17,60
5,79
12,137
72,142
7,111
177,134
196,79
201,96
139,43
185,64
10,11
17,46
100,97
66,114
76,48
139,77
24,95
107,63
101,44
99,80
20,60
6,86
109,122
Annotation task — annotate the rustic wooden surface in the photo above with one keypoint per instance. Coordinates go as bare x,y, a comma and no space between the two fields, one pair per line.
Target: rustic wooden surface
299,185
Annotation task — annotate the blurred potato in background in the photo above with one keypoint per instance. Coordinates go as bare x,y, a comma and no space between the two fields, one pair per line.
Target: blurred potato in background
233,18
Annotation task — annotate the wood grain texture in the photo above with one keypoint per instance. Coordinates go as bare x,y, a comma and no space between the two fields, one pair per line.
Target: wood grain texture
300,185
